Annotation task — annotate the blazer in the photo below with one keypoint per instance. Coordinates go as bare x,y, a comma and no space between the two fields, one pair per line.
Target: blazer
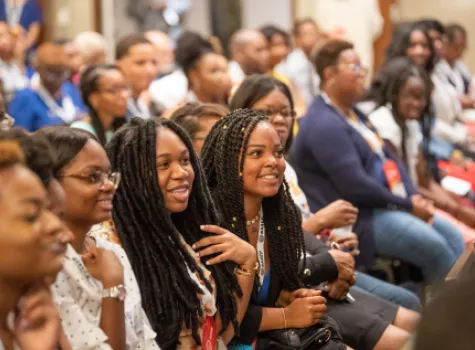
333,161
322,268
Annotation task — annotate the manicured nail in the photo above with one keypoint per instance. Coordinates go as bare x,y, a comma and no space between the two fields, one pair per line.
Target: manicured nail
193,246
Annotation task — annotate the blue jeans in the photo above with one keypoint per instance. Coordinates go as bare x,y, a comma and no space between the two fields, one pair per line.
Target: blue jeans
387,291
433,248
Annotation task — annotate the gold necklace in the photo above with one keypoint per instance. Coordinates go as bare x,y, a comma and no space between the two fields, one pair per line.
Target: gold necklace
253,221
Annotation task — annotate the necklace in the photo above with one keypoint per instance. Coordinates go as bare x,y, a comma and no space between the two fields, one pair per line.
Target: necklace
253,221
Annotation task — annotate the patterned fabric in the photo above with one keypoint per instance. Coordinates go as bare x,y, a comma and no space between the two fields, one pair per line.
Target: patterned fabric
105,231
208,304
79,299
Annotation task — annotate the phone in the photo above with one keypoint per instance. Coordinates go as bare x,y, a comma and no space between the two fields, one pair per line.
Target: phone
342,232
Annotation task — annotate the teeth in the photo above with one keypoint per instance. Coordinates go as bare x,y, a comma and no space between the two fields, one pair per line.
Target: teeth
269,177
180,190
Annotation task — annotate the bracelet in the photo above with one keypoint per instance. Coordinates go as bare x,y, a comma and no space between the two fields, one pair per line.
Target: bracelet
285,319
239,270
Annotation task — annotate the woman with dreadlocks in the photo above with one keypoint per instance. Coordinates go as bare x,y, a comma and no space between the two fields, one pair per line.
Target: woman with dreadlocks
402,99
243,159
105,93
161,210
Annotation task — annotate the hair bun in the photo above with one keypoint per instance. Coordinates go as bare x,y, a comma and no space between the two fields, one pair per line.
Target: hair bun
10,153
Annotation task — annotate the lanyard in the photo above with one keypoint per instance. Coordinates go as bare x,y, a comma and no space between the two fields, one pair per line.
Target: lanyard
260,251
13,12
67,112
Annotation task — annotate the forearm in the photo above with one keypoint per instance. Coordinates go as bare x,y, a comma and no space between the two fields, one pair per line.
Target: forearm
272,318
113,322
33,35
315,223
246,283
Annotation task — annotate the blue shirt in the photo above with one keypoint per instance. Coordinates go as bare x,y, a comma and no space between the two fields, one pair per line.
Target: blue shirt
31,13
31,112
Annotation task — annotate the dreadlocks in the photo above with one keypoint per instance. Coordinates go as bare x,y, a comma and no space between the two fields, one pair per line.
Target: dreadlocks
151,236
221,157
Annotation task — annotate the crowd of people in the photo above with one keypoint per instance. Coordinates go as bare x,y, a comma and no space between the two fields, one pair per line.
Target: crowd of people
178,199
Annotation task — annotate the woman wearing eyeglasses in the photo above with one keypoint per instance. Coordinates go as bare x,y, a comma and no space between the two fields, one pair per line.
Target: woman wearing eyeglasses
96,293
197,119
339,155
105,93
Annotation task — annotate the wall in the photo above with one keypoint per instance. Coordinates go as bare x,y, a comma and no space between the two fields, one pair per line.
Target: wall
70,17
462,11
257,13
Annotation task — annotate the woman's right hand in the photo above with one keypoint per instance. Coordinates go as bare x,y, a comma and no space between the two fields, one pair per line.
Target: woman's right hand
105,266
305,312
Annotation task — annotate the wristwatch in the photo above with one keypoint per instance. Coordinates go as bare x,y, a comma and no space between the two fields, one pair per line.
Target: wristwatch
117,292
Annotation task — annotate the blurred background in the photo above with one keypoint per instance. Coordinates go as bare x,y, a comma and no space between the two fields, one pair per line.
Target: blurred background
66,18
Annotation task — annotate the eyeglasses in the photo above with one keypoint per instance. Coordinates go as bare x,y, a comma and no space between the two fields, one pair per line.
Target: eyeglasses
272,113
354,67
6,122
115,90
55,72
98,178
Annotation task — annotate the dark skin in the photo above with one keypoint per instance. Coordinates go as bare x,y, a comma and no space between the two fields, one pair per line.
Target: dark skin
52,67
344,85
92,205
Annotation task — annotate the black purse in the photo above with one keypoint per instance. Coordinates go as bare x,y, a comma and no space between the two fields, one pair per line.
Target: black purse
324,335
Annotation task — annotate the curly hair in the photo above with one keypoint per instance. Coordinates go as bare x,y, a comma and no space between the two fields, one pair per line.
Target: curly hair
151,236
221,157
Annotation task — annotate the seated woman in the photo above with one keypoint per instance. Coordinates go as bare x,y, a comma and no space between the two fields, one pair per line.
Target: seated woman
91,289
269,95
105,93
30,227
160,214
206,70
338,155
197,119
402,98
254,200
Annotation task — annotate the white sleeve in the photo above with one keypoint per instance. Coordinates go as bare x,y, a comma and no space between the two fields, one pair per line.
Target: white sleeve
455,133
81,333
383,120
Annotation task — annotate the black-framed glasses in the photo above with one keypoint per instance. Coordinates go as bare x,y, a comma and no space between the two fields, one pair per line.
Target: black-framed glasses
272,113
98,178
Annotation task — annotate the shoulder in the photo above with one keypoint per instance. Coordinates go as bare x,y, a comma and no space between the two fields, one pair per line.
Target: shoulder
84,125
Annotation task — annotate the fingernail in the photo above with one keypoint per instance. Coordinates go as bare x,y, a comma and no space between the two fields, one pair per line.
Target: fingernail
193,246
207,263
21,302
202,227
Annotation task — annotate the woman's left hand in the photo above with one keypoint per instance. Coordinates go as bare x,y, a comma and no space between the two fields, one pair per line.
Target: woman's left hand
227,246
349,243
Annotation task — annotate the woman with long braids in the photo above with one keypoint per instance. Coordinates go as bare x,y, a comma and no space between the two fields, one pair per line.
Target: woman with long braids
243,159
402,100
105,93
161,210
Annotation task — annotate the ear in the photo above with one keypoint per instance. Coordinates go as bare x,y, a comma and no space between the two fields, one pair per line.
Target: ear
329,74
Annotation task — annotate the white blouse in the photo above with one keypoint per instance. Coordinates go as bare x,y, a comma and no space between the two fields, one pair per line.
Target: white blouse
79,299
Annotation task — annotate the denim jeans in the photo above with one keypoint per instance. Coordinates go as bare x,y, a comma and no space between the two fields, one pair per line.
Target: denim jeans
387,291
433,248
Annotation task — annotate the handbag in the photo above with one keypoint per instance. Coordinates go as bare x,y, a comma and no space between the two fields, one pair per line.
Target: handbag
323,335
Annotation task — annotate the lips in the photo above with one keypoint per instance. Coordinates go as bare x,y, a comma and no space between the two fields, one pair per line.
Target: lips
105,203
180,193
57,248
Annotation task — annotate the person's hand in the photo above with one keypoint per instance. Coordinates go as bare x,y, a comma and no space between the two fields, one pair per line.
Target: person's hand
37,322
286,297
349,243
227,246
345,264
458,159
422,208
305,312
338,214
158,6
105,266
337,290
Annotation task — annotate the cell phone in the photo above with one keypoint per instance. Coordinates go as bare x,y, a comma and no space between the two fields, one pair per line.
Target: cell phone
342,232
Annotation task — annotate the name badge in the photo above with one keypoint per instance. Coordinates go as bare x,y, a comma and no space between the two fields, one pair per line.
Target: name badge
209,337
393,177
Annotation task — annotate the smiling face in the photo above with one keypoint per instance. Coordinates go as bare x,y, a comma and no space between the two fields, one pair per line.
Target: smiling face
175,171
412,98
89,201
30,248
418,50
264,163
